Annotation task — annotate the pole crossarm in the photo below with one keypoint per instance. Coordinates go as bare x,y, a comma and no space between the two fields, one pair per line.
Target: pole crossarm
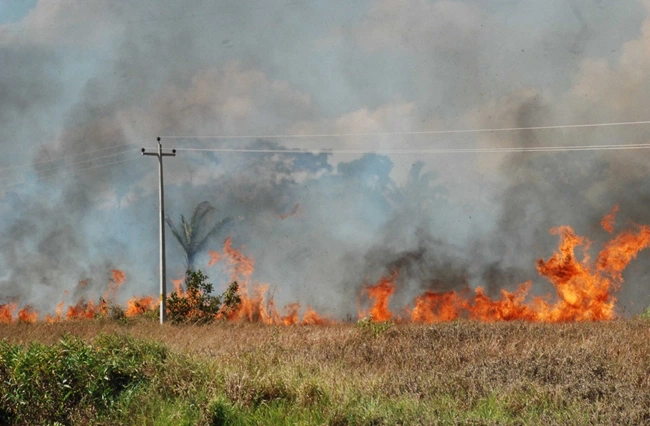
161,190
164,154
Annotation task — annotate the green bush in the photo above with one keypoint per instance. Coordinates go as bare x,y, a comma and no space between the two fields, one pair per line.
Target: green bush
196,305
374,329
42,384
645,314
223,413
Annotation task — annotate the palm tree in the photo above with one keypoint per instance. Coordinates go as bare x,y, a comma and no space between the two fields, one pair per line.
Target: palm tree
193,235
419,193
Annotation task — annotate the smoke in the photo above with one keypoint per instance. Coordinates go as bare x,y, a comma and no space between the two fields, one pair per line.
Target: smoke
27,90
250,68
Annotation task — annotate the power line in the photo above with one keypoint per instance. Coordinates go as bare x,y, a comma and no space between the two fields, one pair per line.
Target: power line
427,151
422,132
70,172
16,28
64,157
86,161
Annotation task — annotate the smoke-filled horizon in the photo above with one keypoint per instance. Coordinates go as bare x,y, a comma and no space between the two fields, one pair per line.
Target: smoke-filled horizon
107,77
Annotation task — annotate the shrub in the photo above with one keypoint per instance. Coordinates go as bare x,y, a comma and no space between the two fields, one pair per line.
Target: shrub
197,305
42,384
374,329
645,314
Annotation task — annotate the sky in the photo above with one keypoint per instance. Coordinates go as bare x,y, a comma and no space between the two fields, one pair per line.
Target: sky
85,83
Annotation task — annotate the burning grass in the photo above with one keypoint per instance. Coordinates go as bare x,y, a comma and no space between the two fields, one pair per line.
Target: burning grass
368,374
585,289
446,358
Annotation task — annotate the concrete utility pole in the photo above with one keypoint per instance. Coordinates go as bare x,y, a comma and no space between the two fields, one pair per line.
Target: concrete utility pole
163,267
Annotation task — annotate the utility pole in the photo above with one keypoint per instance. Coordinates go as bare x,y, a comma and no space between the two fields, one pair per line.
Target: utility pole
163,267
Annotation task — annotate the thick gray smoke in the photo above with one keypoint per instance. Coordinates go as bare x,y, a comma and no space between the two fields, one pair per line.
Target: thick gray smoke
319,226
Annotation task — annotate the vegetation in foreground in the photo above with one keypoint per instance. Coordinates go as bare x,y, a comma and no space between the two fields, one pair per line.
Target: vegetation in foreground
138,372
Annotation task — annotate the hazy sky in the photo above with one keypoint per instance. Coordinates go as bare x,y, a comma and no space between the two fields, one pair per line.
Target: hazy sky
85,83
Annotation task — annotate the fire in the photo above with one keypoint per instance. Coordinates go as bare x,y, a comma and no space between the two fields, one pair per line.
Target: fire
86,310
584,290
214,258
310,317
82,309
140,305
7,313
28,315
59,312
178,285
241,267
255,306
608,221
620,251
380,294
117,279
433,307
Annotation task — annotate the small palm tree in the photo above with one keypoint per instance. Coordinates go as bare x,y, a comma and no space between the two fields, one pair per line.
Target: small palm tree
193,235
419,192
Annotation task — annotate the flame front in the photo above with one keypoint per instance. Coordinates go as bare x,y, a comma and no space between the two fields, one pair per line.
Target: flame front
380,295
254,305
584,290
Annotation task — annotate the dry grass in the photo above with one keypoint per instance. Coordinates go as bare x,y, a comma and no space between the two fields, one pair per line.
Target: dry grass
463,372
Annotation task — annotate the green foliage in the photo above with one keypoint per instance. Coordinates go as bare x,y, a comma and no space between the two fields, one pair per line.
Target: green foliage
645,314
196,304
223,413
194,234
456,373
42,384
374,329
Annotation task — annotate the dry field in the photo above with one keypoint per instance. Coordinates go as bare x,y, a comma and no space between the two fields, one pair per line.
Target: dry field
451,373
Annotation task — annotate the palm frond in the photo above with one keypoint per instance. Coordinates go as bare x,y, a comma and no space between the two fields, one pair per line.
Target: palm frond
180,237
202,210
194,234
201,243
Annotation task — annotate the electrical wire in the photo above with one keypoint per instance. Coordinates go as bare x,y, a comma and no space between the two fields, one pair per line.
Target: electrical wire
88,160
427,151
14,28
64,157
70,172
422,132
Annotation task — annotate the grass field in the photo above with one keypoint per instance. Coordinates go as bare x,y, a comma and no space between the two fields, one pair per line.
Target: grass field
138,372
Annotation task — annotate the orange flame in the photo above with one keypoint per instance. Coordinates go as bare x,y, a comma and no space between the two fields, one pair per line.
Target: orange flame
140,305
86,310
57,317
178,285
584,290
7,313
214,258
433,307
608,220
620,251
311,317
28,315
255,305
380,294
117,279
241,267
